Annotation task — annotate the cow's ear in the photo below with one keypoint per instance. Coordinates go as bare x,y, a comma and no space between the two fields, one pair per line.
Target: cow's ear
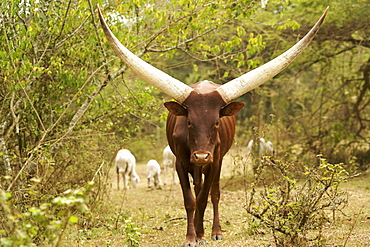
175,108
231,108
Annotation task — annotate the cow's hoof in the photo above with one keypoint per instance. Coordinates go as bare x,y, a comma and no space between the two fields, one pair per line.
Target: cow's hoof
202,242
190,245
217,237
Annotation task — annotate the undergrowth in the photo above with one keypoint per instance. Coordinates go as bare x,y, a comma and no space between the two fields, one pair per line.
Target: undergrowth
296,206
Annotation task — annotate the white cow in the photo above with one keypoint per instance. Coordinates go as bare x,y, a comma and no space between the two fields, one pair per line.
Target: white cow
265,148
125,163
268,149
153,171
169,161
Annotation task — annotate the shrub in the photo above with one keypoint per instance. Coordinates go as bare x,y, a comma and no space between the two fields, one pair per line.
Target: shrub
43,224
296,211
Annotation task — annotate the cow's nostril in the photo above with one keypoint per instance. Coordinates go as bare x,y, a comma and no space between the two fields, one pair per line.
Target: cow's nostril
201,158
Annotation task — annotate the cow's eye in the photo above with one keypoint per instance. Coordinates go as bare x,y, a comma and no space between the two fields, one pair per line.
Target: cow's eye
189,123
217,124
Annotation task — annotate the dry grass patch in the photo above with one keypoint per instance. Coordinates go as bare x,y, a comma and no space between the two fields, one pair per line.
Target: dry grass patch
159,217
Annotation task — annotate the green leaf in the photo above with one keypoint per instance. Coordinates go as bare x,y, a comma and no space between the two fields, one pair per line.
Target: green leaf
73,219
241,31
195,67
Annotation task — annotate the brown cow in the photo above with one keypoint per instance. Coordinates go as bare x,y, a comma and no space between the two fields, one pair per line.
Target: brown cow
201,125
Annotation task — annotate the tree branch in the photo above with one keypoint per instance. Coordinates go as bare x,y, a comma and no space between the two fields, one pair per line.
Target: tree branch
8,168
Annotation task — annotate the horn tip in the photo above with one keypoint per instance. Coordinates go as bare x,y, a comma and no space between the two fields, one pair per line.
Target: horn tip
326,10
324,14
101,18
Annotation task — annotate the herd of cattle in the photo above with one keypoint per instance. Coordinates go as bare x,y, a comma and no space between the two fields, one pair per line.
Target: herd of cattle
125,164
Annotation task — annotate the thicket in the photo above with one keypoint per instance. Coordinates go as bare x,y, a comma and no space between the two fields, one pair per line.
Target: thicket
296,205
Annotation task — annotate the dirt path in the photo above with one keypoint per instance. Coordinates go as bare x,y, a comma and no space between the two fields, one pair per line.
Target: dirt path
160,217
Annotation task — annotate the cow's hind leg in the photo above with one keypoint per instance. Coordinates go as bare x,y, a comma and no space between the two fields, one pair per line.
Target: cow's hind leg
165,174
174,176
117,178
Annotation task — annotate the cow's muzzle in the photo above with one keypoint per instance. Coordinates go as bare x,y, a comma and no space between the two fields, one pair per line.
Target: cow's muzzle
201,158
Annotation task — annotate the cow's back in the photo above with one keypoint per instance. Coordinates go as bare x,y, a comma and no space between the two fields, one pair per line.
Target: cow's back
153,168
125,160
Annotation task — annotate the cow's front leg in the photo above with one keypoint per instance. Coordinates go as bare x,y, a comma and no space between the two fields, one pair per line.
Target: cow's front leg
200,207
124,179
118,174
201,202
189,203
215,198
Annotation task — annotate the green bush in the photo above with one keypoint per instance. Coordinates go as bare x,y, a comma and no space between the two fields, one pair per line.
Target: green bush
28,225
296,209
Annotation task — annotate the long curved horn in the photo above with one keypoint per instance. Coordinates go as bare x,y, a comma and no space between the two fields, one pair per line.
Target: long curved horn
245,83
164,82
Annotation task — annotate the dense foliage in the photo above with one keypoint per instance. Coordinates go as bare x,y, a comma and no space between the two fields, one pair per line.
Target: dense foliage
322,100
